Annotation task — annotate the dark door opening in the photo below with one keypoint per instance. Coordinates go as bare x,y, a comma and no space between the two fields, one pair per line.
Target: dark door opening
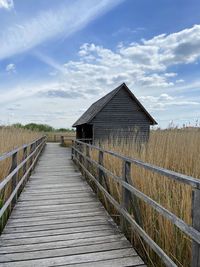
84,131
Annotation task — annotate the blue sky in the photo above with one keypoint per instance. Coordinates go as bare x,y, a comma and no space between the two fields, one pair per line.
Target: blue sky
58,57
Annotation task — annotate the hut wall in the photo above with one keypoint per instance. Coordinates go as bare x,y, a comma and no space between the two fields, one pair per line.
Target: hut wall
121,117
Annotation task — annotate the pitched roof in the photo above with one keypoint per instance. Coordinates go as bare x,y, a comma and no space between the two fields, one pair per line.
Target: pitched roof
96,107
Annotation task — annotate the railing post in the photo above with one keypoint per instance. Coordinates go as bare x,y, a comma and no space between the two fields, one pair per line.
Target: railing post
100,172
62,140
75,152
14,178
72,151
31,159
24,157
125,201
196,225
87,153
25,164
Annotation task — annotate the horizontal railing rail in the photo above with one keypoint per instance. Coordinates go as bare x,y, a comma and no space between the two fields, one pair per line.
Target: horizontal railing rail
81,156
30,154
70,138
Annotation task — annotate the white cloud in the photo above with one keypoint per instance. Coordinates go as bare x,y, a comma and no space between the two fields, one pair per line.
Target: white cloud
145,67
164,101
11,68
165,50
6,4
63,21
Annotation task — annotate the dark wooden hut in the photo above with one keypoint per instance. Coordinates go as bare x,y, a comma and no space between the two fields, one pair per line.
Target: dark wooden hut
117,114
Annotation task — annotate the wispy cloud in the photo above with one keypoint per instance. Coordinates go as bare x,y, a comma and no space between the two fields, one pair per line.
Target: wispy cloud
11,68
6,4
63,21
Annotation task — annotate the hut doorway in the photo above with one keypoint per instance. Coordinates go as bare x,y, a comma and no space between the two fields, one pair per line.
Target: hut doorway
85,131
88,131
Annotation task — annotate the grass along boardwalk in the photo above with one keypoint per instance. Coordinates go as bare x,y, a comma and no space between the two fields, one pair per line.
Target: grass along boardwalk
58,221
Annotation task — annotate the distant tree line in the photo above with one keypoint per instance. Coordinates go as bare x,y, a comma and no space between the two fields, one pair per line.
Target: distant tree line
41,127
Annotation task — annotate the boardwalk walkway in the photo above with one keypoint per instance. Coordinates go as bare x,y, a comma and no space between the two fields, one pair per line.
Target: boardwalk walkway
58,221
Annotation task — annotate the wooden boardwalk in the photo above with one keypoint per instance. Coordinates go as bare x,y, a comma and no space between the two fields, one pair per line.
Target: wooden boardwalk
58,221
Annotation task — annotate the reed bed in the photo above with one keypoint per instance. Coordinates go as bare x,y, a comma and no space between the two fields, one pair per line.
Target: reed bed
178,150
11,138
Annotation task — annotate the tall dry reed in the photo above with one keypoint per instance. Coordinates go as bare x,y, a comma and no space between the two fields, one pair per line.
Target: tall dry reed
177,150
11,138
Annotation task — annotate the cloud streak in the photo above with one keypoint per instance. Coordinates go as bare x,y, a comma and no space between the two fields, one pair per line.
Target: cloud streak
6,4
63,21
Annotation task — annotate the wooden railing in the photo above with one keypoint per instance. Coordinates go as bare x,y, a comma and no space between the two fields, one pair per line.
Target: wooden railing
23,160
81,156
69,139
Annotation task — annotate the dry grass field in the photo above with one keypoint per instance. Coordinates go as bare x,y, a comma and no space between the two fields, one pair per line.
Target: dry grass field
177,150
11,138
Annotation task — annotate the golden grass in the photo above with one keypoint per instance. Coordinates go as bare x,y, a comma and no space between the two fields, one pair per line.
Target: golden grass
11,138
177,150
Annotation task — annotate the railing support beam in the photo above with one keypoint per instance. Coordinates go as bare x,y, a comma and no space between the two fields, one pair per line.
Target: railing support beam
125,200
14,178
196,225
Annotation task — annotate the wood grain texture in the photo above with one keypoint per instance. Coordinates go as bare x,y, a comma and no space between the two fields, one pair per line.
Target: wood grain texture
58,221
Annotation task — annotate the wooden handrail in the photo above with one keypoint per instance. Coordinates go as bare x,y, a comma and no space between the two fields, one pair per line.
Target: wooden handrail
10,153
194,182
36,148
128,189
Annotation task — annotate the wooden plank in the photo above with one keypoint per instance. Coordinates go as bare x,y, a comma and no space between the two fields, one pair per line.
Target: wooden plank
99,239
62,225
59,207
72,259
118,262
38,204
56,215
30,224
99,231
26,198
43,233
66,251
67,213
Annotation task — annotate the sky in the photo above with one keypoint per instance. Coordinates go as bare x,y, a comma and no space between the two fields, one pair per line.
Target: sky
58,57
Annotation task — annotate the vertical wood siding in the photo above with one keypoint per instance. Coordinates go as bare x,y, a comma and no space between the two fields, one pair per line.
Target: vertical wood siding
121,117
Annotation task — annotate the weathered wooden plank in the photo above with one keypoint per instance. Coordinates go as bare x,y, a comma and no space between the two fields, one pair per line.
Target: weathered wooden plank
26,198
56,215
99,231
50,253
72,259
59,206
56,191
99,239
67,213
37,204
118,262
42,233
17,225
56,226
